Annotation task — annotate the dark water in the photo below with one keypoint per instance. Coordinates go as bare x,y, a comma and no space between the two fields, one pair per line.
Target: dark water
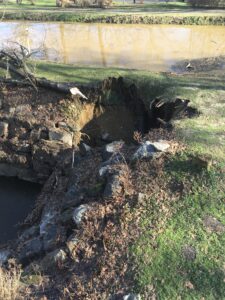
17,198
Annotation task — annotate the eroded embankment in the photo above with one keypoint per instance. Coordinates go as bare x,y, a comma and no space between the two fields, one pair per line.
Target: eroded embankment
71,146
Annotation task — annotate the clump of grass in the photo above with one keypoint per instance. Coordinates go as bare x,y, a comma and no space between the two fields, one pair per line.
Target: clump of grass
10,283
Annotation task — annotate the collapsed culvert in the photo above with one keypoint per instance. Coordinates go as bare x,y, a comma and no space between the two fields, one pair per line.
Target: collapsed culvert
17,200
38,139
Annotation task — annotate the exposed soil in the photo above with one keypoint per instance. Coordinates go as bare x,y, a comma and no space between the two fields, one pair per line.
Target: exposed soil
41,135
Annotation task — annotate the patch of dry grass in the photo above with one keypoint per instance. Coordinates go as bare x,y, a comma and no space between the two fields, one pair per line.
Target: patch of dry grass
9,283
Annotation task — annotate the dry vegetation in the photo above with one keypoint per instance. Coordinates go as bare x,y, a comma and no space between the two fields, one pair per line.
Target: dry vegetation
10,283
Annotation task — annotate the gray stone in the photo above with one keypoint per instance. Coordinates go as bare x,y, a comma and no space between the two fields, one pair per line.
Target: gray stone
63,136
29,233
112,148
4,256
113,187
161,146
4,129
53,260
30,250
146,150
48,218
79,213
53,236
149,150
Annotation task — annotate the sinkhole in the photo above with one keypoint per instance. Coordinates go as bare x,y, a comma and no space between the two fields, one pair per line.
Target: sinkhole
17,199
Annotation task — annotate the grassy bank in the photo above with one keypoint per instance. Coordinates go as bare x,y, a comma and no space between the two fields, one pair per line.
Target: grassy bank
152,13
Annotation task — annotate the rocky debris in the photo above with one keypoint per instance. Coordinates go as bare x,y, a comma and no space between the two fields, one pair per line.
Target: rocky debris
213,225
54,236
73,197
4,256
48,218
150,150
189,252
112,149
31,249
53,260
4,128
29,233
85,149
45,156
114,186
79,213
58,134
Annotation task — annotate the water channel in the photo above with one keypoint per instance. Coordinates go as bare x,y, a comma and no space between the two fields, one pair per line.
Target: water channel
144,47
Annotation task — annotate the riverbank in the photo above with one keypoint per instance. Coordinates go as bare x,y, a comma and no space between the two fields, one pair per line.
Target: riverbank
171,13
110,215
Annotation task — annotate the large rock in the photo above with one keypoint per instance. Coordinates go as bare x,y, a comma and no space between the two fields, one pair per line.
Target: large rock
30,250
58,134
112,149
150,150
53,260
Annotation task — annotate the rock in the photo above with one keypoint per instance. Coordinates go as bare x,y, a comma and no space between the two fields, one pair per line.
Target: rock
72,243
30,250
54,236
4,128
112,148
189,252
114,187
213,225
103,170
161,146
132,297
150,150
47,219
73,197
85,149
29,233
58,134
4,256
146,150
79,213
53,260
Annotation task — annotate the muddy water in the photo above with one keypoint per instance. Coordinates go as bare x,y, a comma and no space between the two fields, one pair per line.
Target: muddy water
147,47
17,199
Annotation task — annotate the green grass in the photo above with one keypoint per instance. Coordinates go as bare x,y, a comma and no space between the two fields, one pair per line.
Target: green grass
162,267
